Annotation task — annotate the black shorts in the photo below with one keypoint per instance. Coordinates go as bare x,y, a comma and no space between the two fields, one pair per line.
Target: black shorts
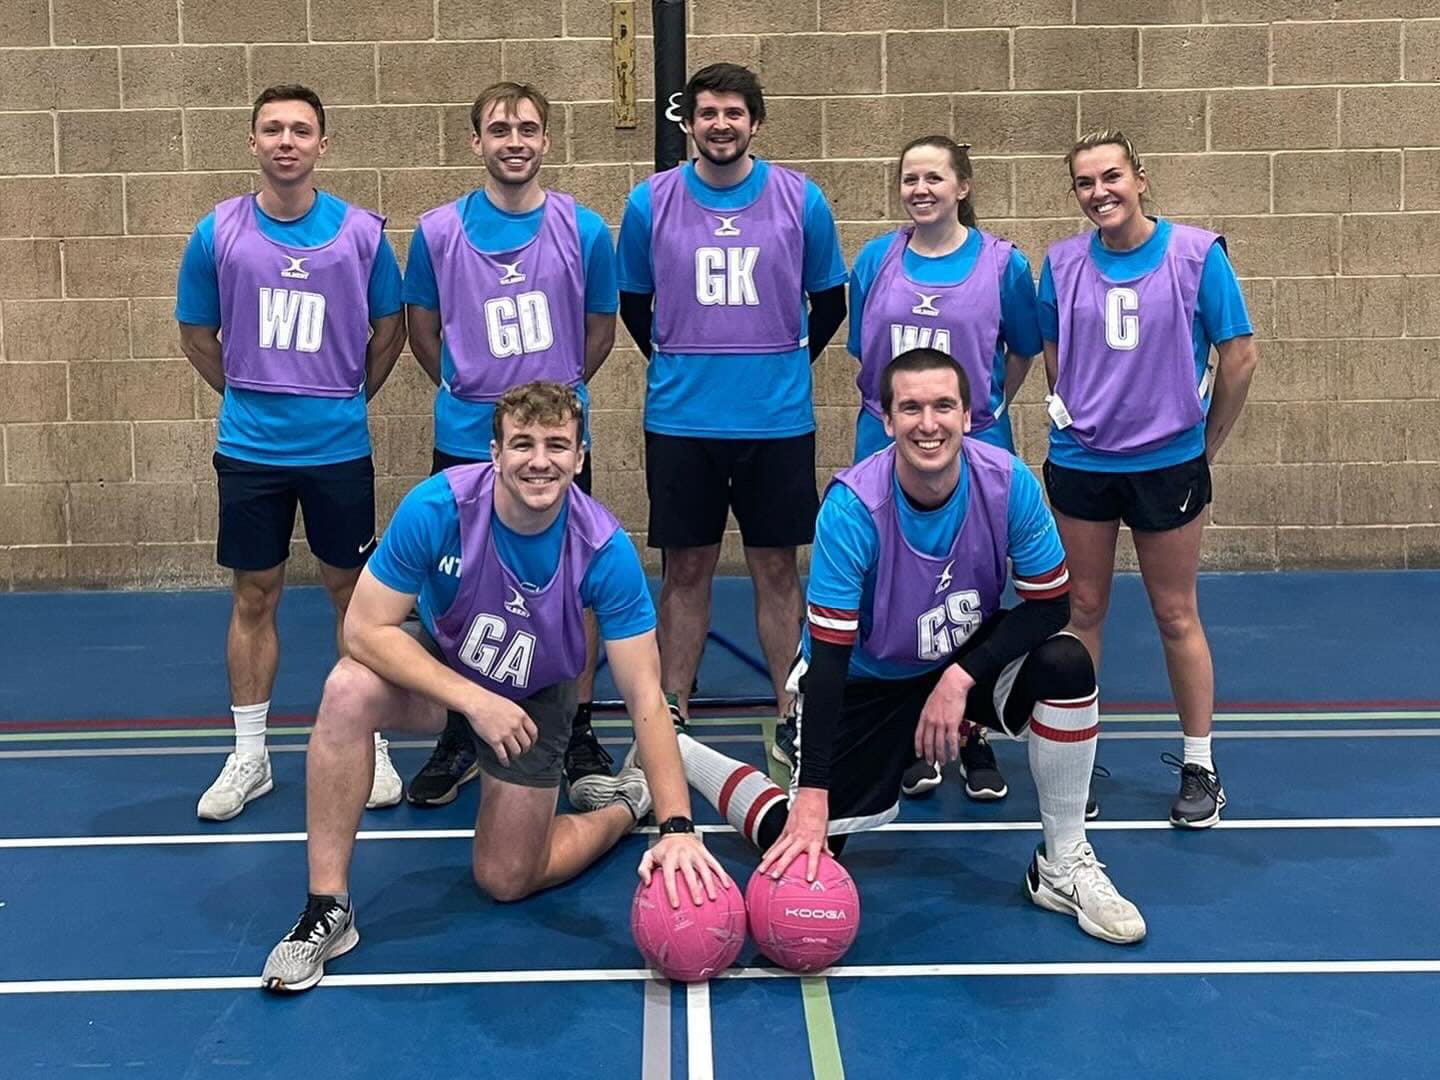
257,512
694,483
439,459
552,708
1153,501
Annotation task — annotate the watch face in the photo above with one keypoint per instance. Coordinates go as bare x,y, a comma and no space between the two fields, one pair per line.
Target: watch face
677,825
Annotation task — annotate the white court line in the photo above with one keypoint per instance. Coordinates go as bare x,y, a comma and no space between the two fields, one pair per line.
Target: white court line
699,1050
219,750
655,1055
186,839
858,971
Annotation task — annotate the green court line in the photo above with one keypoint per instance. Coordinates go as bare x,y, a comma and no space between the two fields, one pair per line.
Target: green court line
138,733
825,1059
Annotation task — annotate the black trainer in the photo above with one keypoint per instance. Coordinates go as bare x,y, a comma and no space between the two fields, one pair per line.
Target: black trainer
921,778
1092,807
978,766
1201,797
585,756
452,764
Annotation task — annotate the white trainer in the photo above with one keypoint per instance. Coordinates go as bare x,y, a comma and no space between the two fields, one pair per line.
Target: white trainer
1076,884
244,777
385,788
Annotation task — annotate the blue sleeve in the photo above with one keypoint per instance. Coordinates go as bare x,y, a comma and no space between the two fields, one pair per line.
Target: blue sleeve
602,295
420,287
862,276
632,260
1049,309
616,588
1035,547
197,291
846,547
1019,310
1221,305
414,540
384,282
824,262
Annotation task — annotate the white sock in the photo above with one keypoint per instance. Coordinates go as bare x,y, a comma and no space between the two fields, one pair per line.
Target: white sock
741,793
1197,752
250,728
1061,746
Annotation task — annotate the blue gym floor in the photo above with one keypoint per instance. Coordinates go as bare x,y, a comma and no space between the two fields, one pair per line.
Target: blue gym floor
1297,939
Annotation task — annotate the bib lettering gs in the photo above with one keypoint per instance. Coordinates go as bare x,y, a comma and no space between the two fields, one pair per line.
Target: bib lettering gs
294,319
513,639
745,266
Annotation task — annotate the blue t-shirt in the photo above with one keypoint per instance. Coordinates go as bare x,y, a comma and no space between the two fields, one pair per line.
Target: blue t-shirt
463,428
1019,323
695,393
285,429
420,555
1219,316
847,547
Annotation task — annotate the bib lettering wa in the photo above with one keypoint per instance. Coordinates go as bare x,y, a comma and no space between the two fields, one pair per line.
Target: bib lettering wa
745,267
513,639
294,320
961,320
925,606
511,317
1126,356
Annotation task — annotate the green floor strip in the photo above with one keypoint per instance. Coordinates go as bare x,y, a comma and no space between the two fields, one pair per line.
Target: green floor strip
820,1026
138,733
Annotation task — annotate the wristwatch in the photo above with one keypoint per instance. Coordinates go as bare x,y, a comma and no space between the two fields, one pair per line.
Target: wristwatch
676,824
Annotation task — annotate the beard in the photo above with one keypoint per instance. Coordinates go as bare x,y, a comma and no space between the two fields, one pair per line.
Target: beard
737,150
501,175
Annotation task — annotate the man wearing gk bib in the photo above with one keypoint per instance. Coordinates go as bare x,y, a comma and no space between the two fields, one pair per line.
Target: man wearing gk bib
906,641
508,284
716,260
943,283
289,307
1129,313
501,558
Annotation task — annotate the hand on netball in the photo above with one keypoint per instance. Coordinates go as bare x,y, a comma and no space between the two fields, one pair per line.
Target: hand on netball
683,854
805,833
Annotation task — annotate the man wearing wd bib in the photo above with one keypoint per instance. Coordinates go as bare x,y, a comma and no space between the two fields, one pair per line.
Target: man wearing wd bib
289,307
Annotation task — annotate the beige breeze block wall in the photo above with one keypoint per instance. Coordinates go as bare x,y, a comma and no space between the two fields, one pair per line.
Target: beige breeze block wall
1312,142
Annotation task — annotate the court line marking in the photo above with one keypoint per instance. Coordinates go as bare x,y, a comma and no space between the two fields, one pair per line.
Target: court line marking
184,839
699,1050
655,1047
1298,716
220,749
825,1060
695,990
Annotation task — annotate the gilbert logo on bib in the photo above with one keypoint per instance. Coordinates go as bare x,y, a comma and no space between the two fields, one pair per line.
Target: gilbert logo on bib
283,339
509,317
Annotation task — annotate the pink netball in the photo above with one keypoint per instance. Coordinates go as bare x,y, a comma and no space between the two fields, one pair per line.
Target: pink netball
692,942
804,925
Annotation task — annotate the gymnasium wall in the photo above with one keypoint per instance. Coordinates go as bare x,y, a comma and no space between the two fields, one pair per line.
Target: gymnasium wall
1313,143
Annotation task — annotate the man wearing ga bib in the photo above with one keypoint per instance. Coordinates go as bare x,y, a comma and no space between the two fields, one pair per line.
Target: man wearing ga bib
289,307
1129,313
508,284
906,641
717,258
502,558
942,283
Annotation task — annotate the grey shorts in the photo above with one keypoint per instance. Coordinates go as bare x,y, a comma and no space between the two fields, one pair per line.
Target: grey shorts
552,709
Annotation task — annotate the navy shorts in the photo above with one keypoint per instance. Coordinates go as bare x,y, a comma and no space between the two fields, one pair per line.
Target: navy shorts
1156,500
257,512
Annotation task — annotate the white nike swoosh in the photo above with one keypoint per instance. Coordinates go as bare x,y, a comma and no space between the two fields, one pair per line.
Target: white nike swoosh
1186,504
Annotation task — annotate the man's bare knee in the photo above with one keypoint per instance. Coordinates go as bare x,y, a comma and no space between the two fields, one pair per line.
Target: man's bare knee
503,883
351,697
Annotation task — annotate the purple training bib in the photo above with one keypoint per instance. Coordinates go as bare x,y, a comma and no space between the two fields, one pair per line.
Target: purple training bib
294,320
512,317
961,320
728,281
926,606
509,639
1126,356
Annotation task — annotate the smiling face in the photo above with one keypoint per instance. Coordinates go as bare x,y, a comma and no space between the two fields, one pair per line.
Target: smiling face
512,142
286,141
535,464
1108,187
930,190
927,419
722,127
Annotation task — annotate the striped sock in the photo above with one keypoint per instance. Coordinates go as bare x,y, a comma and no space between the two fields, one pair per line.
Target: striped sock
742,793
1062,757
1197,752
